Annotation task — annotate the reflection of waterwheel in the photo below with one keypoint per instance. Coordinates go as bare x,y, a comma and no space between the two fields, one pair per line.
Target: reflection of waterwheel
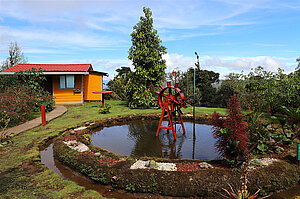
171,100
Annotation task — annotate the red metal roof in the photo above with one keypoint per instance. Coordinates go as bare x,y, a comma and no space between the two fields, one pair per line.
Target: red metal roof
52,67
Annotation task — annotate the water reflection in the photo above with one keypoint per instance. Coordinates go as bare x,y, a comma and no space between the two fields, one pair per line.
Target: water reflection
137,139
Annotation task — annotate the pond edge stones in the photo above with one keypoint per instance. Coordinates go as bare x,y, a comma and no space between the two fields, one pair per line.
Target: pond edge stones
151,164
78,146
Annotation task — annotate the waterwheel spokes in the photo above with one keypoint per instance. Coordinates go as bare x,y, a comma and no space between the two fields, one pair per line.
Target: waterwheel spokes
171,101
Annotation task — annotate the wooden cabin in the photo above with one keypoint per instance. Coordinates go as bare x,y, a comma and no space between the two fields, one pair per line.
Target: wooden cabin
68,83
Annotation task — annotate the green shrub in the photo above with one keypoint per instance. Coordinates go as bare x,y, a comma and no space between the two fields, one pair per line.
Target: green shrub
105,109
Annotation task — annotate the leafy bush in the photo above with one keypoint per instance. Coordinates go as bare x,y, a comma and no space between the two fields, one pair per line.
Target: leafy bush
105,109
4,121
24,96
267,91
119,84
139,96
17,103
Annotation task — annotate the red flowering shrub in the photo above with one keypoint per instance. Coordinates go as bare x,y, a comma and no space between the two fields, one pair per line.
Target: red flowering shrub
231,131
18,103
23,95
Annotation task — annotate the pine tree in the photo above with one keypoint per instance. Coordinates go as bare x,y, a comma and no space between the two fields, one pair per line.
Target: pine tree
146,56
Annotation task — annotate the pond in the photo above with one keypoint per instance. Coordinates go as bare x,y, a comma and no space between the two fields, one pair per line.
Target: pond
138,139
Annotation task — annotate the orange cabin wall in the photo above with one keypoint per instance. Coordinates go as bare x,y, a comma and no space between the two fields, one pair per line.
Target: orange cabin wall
66,95
91,83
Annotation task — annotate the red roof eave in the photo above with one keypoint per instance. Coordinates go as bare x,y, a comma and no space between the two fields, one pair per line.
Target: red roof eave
51,67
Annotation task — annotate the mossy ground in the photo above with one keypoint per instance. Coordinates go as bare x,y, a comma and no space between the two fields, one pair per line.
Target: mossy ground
22,175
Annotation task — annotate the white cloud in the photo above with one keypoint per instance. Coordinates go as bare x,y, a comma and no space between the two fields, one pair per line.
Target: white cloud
62,38
178,62
225,65
244,63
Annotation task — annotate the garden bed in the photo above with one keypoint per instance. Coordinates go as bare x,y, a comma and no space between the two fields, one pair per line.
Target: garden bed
189,180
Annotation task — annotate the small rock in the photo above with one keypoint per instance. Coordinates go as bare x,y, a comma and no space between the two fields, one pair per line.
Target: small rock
78,146
91,124
256,162
97,154
114,179
151,164
269,127
80,128
205,165
72,132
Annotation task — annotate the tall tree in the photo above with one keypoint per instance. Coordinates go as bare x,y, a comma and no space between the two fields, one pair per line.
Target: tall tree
146,56
205,92
298,67
15,56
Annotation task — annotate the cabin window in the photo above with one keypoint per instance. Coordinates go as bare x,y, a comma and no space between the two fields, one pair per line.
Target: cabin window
67,81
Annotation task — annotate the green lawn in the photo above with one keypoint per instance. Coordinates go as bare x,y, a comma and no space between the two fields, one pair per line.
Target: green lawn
22,175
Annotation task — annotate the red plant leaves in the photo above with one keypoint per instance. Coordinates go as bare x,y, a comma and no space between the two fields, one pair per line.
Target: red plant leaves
236,124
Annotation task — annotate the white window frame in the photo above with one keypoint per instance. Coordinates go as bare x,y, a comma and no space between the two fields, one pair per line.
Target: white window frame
64,84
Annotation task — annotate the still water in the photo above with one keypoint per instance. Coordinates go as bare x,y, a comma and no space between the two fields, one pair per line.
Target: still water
138,138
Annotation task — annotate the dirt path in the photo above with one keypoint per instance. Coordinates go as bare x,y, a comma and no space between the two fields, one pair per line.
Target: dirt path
56,112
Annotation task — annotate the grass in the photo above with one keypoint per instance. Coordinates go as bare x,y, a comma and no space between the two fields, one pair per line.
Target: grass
22,175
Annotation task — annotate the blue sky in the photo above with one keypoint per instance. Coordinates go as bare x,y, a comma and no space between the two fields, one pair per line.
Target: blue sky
229,35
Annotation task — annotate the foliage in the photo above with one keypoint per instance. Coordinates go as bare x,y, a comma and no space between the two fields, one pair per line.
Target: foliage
243,193
24,95
205,92
298,67
18,103
293,113
139,96
105,109
290,122
88,138
15,56
270,133
4,121
231,131
259,135
34,80
226,90
263,90
119,84
146,56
